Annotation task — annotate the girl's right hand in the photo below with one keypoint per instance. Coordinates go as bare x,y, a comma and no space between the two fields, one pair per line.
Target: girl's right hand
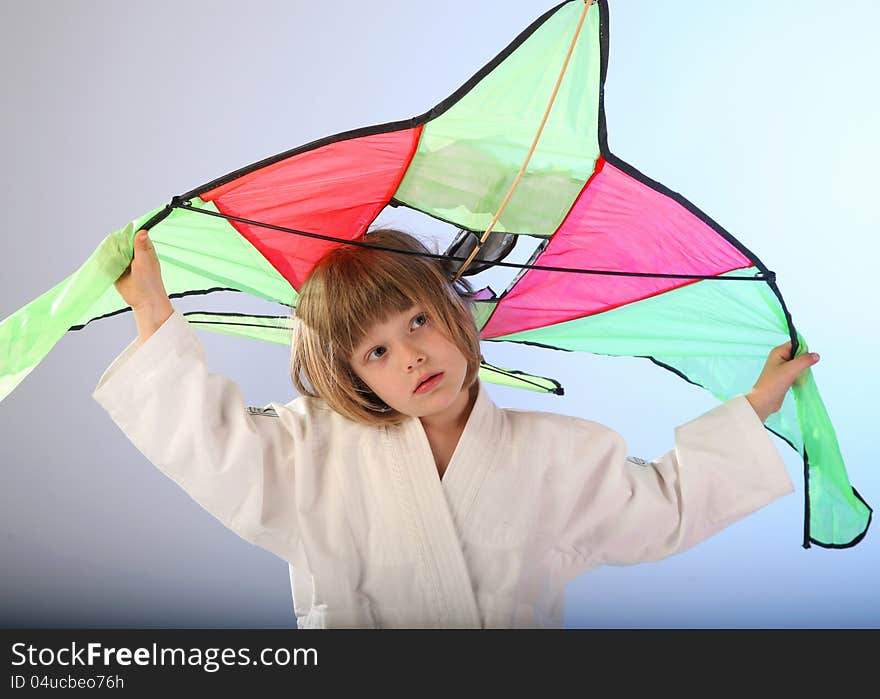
141,285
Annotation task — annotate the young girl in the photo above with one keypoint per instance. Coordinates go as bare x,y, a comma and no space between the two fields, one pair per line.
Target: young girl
397,491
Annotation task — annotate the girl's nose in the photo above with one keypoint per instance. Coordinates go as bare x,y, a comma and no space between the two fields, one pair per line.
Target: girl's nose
416,357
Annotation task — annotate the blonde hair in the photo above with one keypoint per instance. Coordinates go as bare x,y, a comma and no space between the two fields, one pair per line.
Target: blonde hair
350,289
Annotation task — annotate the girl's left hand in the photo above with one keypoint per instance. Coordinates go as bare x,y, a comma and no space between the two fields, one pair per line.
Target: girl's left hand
779,373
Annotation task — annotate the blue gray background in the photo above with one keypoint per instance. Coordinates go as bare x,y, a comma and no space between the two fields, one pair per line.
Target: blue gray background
762,114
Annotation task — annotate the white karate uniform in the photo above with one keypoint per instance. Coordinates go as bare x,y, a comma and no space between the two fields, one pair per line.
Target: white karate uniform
374,538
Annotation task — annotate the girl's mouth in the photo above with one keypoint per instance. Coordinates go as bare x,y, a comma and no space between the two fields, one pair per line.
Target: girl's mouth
429,383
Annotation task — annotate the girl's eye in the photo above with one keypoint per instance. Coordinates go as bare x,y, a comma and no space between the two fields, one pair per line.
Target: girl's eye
423,316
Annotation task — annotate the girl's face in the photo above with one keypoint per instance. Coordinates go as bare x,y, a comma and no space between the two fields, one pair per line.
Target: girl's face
395,356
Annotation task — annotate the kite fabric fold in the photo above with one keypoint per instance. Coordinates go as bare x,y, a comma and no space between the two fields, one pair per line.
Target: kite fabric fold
619,264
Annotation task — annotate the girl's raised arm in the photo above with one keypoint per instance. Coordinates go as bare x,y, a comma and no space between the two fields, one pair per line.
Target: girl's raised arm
723,467
195,427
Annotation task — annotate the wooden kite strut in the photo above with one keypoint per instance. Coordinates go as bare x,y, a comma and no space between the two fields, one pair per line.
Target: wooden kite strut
577,31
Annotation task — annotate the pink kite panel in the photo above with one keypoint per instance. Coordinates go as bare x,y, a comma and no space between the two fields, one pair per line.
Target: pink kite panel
616,224
336,190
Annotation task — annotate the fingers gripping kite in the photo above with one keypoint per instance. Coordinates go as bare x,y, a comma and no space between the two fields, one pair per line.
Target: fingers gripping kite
620,265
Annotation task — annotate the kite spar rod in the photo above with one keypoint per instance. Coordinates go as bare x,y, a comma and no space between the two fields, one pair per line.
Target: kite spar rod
179,203
577,31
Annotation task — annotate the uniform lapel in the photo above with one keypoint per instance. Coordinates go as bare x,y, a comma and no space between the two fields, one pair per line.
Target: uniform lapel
474,456
441,507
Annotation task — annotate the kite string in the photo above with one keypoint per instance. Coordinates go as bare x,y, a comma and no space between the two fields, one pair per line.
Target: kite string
577,31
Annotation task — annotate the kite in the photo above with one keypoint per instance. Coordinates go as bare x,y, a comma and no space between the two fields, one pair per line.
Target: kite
619,265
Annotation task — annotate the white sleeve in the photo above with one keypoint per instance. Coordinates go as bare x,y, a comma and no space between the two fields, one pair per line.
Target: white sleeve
196,429
724,466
